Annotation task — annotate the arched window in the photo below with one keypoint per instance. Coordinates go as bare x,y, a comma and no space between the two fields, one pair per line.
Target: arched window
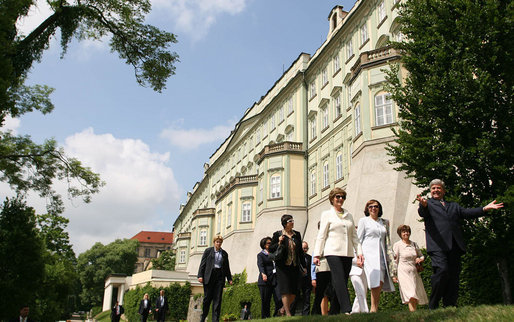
383,109
275,186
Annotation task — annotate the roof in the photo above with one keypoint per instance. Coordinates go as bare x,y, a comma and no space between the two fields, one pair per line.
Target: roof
157,237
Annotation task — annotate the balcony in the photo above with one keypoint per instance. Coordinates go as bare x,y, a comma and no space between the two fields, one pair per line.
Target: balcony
374,57
204,212
282,147
237,181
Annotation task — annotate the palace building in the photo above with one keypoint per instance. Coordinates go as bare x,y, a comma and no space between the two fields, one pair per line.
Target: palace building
325,123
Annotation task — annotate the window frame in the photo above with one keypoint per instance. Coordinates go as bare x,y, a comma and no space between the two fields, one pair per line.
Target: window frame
275,186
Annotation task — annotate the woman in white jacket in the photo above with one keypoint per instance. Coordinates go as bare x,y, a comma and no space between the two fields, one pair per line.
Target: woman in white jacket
373,233
337,241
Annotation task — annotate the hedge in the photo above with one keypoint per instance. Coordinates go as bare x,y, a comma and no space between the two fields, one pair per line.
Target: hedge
178,301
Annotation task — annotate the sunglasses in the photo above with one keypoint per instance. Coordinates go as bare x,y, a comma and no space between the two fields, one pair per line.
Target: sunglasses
290,220
340,197
373,206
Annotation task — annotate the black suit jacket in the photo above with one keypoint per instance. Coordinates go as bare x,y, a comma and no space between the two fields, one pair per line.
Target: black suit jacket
265,265
113,312
297,238
443,224
161,307
142,310
207,265
308,262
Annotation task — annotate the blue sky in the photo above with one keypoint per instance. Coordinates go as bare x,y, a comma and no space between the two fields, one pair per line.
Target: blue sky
149,147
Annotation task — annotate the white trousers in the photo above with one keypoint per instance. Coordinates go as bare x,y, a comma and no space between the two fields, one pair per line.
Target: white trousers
360,285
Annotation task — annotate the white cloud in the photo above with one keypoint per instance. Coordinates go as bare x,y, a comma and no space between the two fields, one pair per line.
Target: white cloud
11,124
193,138
141,192
195,17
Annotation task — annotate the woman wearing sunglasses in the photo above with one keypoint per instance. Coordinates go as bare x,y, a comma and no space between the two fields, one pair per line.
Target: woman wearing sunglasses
374,236
337,241
291,262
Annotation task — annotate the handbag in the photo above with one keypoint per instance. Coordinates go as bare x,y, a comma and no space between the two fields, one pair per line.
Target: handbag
419,266
280,254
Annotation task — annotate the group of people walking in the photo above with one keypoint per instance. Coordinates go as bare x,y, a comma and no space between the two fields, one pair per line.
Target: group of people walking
362,252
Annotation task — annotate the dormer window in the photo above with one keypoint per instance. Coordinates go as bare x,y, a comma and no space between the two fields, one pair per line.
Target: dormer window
334,21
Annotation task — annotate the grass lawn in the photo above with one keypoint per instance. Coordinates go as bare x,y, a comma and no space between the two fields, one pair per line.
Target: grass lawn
467,313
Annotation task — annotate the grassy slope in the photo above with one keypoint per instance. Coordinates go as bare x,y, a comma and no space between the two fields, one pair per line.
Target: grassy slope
468,313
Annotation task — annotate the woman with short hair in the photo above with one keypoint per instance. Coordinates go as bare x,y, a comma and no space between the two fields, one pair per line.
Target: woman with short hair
337,241
267,280
291,265
373,232
407,255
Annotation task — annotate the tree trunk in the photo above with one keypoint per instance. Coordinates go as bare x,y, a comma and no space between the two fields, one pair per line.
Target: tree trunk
503,271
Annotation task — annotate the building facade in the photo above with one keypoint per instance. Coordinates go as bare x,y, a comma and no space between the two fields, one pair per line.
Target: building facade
325,123
151,245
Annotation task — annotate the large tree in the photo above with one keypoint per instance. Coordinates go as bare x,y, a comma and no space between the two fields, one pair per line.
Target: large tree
95,264
21,257
455,99
26,165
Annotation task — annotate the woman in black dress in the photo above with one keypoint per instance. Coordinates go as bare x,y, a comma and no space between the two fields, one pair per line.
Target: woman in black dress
291,265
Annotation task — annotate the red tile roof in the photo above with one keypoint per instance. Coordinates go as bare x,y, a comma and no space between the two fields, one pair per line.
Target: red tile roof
157,237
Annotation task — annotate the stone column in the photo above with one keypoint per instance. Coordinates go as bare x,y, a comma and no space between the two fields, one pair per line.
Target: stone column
121,293
107,298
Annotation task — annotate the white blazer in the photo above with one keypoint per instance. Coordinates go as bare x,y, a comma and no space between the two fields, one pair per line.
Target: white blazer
337,236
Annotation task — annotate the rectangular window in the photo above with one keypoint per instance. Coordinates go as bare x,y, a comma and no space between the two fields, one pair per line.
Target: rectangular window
383,109
324,77
203,237
313,128
364,33
358,129
258,135
275,186
182,256
246,214
324,119
339,166
147,252
349,50
290,106
312,91
281,114
229,215
219,222
272,122
325,175
349,94
337,64
313,182
337,106
381,11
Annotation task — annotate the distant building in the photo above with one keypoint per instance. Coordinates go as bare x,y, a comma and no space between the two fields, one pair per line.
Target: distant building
151,244
324,123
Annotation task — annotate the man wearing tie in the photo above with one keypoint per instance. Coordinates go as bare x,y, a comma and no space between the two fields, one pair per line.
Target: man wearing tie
214,268
161,306
445,241
145,308
24,315
116,312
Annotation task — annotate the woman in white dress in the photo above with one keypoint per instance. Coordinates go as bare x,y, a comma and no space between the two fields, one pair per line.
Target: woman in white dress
373,233
407,255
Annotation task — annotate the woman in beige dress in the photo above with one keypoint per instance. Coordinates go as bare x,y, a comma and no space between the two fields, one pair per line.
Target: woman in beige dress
407,255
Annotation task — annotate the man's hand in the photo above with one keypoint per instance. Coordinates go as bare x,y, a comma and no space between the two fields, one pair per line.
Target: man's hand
264,277
493,205
422,201
200,279
315,260
230,282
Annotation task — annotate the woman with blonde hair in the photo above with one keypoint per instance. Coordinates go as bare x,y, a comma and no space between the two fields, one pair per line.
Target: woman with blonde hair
337,241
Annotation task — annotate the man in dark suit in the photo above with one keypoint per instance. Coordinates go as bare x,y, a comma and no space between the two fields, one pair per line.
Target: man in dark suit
305,285
161,307
24,315
145,308
214,268
445,241
116,312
